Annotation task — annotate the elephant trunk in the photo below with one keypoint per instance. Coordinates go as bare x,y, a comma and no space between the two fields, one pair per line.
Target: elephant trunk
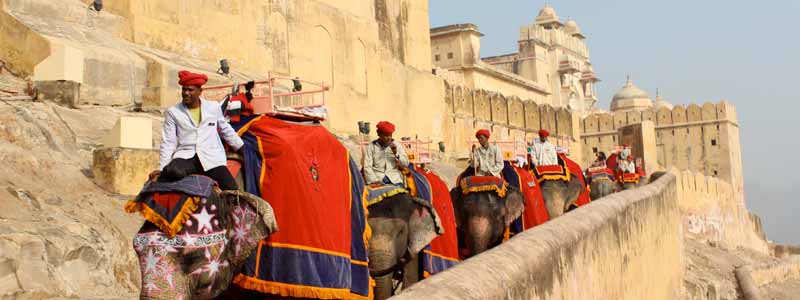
553,194
479,230
382,262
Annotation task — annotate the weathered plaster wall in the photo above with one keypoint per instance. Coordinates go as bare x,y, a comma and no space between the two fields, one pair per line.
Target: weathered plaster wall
627,246
508,118
714,210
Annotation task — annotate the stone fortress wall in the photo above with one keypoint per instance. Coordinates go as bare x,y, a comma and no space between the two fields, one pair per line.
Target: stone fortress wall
508,118
700,138
374,57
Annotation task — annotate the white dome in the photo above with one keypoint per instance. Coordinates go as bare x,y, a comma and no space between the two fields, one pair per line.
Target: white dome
631,97
661,102
547,16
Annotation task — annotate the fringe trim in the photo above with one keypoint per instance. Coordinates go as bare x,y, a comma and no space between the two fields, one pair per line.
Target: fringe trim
170,229
501,191
634,180
561,177
388,194
295,291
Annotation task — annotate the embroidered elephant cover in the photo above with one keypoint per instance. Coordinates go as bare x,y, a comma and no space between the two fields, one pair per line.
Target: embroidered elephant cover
319,200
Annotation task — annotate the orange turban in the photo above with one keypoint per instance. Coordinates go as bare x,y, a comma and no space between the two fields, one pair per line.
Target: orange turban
543,132
188,78
483,132
385,127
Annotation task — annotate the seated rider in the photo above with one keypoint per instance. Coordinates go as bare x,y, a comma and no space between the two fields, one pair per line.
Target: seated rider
627,165
190,143
543,153
383,159
600,160
486,158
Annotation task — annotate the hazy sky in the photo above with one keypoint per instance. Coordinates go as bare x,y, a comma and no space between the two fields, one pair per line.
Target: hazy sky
745,52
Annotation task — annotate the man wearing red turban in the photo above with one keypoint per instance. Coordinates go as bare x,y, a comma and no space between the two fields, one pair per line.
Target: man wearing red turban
383,158
190,143
486,158
543,153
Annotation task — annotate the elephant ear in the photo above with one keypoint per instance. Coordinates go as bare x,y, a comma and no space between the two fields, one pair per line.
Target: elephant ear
423,227
514,206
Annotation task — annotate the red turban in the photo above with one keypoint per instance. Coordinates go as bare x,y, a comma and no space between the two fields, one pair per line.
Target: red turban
543,132
625,145
483,132
188,78
385,127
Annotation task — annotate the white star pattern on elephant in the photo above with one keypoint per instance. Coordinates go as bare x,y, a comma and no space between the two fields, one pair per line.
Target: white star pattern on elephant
204,221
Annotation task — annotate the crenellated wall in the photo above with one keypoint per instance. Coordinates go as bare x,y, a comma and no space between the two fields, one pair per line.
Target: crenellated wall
508,118
700,138
627,246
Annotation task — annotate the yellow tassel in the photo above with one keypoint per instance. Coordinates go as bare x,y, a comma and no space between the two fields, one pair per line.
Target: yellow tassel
295,291
170,229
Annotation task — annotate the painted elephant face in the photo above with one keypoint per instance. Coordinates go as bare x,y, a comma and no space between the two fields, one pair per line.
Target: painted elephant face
200,260
560,195
482,217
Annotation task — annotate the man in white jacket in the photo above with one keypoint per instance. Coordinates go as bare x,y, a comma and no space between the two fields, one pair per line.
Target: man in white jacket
190,143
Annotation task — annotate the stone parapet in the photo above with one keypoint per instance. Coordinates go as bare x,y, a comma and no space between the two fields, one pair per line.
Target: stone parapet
627,246
123,170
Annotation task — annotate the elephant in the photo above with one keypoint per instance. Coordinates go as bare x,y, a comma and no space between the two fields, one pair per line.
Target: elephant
402,226
560,195
655,176
602,188
209,237
482,217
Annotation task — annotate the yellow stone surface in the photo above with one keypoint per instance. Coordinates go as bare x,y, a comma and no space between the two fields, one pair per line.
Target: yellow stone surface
130,132
123,170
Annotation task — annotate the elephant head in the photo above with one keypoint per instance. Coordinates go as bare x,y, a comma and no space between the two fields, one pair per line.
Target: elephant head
560,195
401,227
192,250
482,217
601,188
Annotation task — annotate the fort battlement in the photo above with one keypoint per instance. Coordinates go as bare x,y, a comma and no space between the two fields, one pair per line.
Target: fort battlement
510,118
700,138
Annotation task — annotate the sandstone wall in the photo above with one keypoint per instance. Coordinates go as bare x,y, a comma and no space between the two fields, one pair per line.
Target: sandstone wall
508,118
22,48
627,246
714,210
701,138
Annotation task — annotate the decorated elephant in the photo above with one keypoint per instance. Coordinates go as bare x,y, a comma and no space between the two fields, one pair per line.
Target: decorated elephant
601,188
559,195
483,216
402,226
196,236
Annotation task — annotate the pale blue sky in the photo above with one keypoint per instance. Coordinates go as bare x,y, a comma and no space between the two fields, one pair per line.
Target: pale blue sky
744,52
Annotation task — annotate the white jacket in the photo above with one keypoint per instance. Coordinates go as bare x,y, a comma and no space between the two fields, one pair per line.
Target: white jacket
182,138
544,154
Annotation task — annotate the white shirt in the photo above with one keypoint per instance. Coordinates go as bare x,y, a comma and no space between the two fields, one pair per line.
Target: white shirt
543,154
380,162
488,161
626,166
182,138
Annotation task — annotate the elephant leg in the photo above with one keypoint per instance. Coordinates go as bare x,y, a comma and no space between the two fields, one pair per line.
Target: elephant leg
411,272
387,244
